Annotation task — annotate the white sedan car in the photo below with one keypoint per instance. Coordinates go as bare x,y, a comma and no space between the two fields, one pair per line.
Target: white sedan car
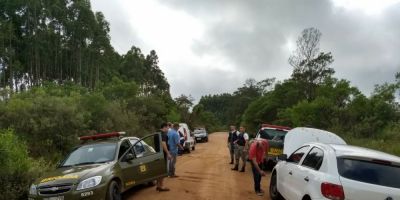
337,172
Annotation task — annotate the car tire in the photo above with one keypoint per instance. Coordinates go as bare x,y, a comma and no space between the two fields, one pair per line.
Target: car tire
152,183
273,189
206,139
270,165
193,148
114,191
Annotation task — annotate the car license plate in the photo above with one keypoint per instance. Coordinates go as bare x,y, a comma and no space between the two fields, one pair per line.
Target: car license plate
54,198
275,151
198,138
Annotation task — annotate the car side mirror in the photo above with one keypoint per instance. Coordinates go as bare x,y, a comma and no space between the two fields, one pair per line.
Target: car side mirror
129,157
282,157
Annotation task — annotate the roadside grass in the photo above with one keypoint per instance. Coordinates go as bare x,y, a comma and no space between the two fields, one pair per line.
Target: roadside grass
391,146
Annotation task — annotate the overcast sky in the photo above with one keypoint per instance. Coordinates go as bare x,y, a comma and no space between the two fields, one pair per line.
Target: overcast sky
209,46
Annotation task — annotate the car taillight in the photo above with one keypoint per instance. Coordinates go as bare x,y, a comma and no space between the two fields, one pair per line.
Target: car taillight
332,191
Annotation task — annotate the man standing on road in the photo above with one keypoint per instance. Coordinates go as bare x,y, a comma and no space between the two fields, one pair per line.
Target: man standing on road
231,138
174,144
256,155
167,155
240,153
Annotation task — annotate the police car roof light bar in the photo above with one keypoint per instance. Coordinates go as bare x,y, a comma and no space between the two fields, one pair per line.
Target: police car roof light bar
102,136
275,126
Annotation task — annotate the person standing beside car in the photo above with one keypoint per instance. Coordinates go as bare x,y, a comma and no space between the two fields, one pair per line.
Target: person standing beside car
240,143
167,156
231,138
174,146
257,153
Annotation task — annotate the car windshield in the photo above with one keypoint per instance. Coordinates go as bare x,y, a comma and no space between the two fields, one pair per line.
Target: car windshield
199,131
91,154
378,173
273,134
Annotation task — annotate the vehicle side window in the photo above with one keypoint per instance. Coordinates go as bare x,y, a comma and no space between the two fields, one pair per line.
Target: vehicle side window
264,134
314,158
125,145
298,154
138,148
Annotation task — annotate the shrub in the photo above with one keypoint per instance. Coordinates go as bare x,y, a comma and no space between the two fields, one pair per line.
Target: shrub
17,169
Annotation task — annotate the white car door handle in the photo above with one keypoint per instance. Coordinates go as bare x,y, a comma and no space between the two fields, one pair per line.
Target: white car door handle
306,179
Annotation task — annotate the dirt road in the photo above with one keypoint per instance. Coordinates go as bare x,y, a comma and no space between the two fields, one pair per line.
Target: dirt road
205,174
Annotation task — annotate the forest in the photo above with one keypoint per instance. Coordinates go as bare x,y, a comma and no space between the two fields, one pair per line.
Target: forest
60,78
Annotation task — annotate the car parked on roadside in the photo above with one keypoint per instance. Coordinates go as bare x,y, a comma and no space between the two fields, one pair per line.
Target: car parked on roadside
326,168
200,134
189,142
103,167
275,136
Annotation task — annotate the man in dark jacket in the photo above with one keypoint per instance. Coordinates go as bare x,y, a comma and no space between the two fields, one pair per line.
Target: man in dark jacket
232,137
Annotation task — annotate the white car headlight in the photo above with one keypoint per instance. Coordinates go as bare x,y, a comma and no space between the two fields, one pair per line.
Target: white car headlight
32,190
89,183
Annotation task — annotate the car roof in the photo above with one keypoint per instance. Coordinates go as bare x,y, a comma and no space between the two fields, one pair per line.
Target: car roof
361,152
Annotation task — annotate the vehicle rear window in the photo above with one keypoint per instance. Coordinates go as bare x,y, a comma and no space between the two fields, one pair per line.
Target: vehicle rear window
270,134
370,172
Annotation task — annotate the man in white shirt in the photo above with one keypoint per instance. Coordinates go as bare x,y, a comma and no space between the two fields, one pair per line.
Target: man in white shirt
241,153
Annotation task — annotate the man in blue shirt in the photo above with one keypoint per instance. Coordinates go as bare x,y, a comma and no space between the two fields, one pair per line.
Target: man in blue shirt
173,144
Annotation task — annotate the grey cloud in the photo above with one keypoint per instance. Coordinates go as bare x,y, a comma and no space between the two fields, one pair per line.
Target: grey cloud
252,33
122,34
252,36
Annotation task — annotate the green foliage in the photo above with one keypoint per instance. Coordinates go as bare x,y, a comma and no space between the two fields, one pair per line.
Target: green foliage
206,119
17,169
173,115
228,108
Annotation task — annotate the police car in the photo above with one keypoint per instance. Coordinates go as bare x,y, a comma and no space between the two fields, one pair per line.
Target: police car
275,136
103,167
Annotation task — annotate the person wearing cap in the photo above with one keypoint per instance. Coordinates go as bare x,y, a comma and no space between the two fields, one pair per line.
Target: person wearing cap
257,153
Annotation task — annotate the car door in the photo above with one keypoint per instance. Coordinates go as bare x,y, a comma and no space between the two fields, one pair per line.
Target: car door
289,170
128,174
151,161
307,178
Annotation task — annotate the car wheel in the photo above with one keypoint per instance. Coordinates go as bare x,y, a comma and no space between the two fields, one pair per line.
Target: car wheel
206,139
193,148
114,191
270,165
152,183
273,189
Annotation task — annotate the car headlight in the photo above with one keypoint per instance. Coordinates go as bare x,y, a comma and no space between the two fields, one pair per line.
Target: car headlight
89,183
32,190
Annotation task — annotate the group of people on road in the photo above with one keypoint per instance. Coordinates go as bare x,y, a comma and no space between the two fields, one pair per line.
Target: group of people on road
171,145
241,149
